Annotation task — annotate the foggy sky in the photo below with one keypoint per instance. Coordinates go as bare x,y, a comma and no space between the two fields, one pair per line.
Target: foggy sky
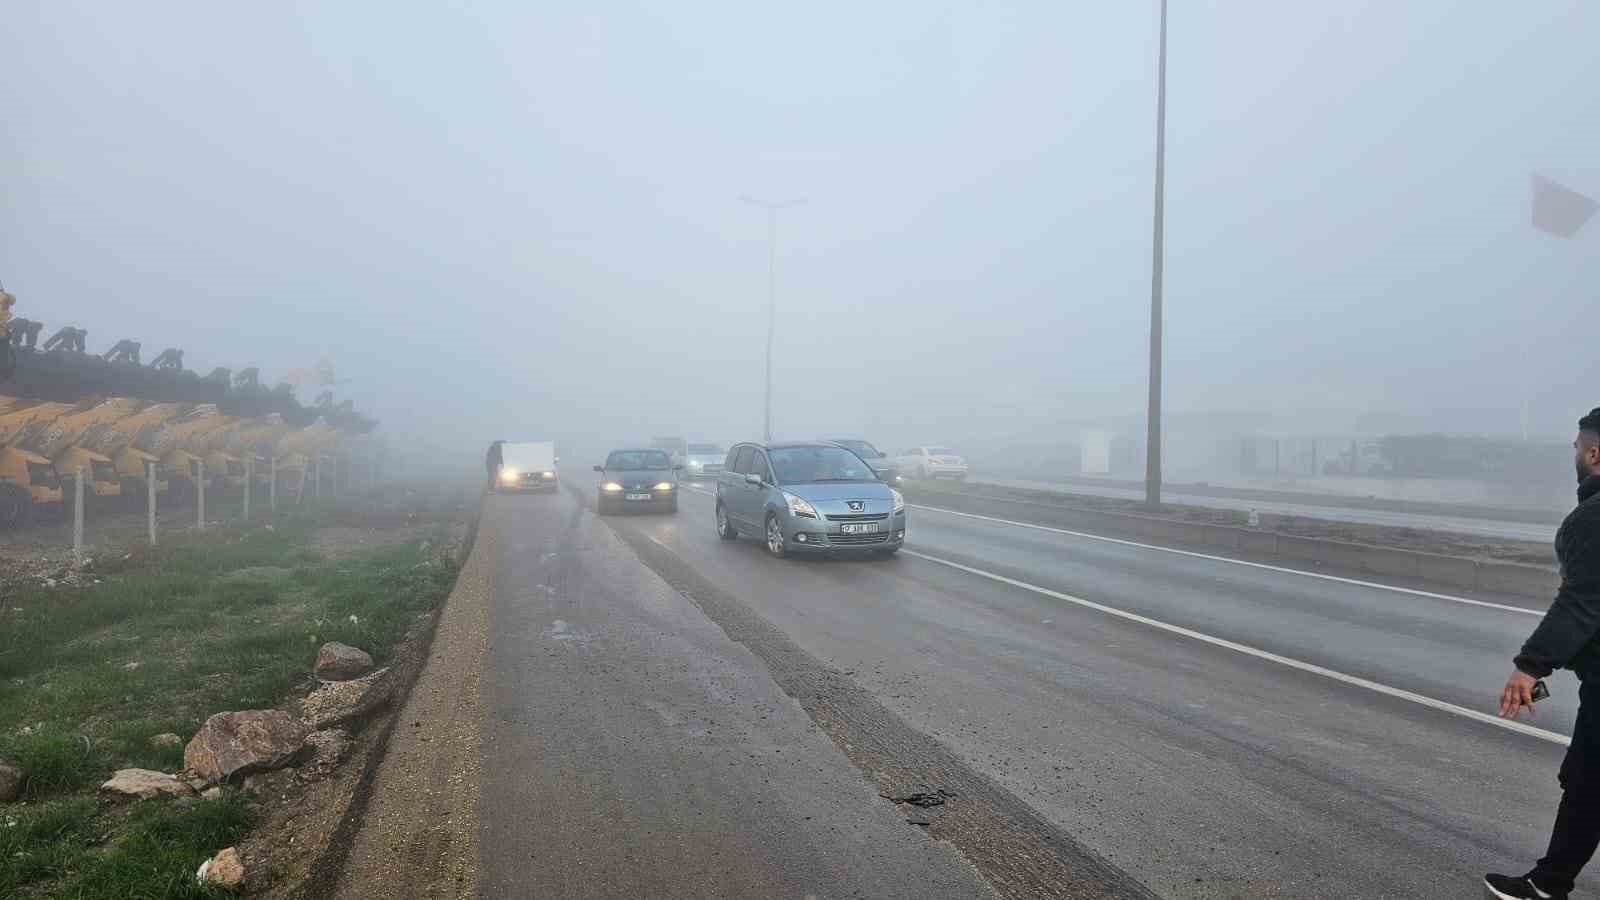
526,219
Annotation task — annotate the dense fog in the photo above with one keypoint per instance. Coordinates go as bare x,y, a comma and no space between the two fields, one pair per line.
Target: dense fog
538,220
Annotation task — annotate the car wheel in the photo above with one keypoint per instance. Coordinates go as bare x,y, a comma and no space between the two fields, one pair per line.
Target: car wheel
725,529
775,541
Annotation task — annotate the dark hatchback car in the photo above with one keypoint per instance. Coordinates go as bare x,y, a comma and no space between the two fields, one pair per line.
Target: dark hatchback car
644,479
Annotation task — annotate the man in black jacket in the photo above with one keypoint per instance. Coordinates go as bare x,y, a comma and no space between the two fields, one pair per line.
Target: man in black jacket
1566,639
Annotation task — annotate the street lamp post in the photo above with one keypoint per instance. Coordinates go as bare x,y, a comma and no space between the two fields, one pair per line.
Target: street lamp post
772,293
1152,465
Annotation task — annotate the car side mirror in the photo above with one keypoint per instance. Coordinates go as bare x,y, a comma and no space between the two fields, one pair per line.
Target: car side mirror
753,479
599,468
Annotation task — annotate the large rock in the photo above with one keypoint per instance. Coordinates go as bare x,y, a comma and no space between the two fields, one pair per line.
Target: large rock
344,702
11,778
231,745
225,870
144,784
341,662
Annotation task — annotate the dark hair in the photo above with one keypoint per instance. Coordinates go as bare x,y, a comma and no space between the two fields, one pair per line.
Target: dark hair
1590,424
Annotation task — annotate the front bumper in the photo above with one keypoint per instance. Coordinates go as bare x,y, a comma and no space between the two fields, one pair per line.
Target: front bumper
827,536
658,499
534,483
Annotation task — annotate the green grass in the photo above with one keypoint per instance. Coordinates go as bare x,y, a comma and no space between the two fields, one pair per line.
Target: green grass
229,619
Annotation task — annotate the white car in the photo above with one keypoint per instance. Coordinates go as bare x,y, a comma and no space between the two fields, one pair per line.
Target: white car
933,462
703,461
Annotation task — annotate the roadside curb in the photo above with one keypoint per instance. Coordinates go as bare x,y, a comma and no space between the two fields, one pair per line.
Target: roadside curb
1534,582
330,866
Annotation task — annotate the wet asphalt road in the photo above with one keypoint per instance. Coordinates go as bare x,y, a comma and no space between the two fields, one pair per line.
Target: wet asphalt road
1197,769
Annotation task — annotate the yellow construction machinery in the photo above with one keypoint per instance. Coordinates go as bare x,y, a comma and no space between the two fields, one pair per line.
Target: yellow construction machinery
63,409
28,480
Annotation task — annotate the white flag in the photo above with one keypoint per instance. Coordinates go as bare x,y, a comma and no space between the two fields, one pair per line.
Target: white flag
1559,210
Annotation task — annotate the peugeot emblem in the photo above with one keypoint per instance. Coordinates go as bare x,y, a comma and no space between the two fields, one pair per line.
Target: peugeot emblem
856,505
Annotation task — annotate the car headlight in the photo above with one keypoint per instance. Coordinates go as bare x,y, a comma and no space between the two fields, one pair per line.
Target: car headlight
509,474
549,474
799,507
664,486
611,487
899,501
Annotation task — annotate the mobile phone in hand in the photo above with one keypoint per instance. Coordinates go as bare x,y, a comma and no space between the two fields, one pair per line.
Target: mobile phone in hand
1540,691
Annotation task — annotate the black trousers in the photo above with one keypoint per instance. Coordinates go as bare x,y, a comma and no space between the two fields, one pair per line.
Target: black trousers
1577,829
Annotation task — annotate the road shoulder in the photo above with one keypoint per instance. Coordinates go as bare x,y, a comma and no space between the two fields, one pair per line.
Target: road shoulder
418,837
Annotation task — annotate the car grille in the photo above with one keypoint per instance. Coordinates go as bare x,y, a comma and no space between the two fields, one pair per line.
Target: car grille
858,517
857,538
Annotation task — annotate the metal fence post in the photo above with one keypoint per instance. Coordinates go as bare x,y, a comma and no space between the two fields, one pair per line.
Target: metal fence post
272,489
248,477
200,507
77,519
150,502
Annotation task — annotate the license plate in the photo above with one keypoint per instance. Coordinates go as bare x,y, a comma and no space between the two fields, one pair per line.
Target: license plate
859,528
638,496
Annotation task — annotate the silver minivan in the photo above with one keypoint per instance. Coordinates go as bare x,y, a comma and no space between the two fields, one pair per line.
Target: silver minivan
815,497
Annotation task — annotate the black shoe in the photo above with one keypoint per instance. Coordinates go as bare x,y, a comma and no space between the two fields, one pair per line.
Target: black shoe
1521,887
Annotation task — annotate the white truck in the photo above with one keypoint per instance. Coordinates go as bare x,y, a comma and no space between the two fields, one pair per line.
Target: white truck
528,466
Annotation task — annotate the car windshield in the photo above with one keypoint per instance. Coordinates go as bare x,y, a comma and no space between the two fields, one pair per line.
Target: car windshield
941,451
704,449
808,465
863,449
638,459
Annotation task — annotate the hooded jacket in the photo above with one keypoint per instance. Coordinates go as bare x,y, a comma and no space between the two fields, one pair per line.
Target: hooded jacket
1566,638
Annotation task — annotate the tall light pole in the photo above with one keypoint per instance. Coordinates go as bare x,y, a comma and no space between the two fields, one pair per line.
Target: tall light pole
772,208
1152,463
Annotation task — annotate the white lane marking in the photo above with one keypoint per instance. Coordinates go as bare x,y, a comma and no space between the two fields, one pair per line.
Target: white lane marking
1421,700
1238,562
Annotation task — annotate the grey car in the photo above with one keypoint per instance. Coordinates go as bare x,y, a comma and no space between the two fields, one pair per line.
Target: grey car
887,468
815,497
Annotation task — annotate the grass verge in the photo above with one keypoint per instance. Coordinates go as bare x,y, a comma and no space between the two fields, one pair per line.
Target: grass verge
155,642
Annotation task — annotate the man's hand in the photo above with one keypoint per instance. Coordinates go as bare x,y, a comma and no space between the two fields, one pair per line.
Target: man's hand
1517,695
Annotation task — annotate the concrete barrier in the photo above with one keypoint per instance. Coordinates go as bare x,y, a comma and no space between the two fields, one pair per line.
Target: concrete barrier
1537,582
